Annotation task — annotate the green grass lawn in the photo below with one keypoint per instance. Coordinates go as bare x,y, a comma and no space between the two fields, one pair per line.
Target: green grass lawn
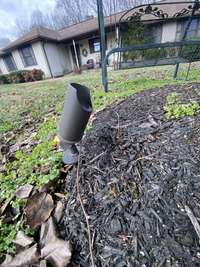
38,105
29,102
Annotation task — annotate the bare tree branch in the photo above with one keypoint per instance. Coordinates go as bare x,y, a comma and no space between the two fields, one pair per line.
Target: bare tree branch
68,12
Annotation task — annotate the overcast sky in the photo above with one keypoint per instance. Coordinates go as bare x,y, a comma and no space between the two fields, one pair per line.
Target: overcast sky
12,9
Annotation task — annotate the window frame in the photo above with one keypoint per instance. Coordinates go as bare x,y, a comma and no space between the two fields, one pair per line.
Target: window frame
91,42
156,32
192,32
25,57
9,55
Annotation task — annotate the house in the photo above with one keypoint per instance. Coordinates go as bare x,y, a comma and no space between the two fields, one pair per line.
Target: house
53,51
59,52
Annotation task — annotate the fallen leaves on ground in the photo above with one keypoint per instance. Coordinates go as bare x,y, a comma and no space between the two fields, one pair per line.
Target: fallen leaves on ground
38,209
59,211
55,250
24,258
23,240
51,249
56,141
24,191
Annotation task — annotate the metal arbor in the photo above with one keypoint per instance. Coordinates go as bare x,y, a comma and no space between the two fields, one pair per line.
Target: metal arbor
159,12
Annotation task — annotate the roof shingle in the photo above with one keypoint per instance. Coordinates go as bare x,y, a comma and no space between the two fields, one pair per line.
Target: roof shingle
84,27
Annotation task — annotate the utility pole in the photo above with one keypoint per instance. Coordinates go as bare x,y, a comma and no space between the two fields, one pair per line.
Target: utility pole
102,37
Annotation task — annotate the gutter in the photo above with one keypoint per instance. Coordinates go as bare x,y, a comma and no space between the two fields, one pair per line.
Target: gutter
46,57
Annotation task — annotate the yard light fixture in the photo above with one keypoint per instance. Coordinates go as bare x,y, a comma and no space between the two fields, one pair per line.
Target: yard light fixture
74,119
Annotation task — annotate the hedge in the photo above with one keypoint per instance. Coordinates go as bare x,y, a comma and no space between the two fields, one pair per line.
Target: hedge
22,76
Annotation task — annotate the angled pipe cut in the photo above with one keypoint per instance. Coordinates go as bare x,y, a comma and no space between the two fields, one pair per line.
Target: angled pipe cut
74,119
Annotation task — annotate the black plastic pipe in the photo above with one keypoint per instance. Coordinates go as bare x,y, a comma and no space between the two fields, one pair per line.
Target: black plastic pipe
75,116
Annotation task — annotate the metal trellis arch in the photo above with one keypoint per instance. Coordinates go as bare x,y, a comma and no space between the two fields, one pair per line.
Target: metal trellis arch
161,12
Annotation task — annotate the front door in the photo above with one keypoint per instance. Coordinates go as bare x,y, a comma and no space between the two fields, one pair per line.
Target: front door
74,55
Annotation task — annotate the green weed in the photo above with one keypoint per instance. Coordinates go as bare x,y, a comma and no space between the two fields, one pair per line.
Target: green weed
175,109
7,235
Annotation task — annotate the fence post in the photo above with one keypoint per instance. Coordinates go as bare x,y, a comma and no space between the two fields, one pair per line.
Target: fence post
103,42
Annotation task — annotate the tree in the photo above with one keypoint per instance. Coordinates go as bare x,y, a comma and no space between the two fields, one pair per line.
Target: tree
72,11
37,19
22,26
114,6
69,12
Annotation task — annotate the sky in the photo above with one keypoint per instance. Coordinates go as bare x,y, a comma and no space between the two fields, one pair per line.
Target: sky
12,9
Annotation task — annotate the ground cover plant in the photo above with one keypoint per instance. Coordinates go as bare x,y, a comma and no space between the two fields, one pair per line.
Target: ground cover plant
28,124
174,107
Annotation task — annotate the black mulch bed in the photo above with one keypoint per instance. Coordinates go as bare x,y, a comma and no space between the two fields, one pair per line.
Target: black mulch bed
138,172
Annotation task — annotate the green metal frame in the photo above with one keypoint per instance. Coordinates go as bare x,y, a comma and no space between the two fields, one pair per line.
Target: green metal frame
155,10
139,47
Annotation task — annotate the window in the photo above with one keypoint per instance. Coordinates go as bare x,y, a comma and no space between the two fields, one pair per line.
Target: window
192,31
9,62
94,45
28,56
154,33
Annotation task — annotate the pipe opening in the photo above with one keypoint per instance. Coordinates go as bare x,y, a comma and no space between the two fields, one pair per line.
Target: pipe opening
83,96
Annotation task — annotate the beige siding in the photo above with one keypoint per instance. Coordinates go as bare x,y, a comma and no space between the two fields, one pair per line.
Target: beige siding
65,58
58,59
169,32
84,44
3,66
40,59
111,43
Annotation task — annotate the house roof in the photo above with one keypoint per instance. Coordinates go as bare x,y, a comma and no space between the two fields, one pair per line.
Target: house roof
36,33
88,26
64,34
84,27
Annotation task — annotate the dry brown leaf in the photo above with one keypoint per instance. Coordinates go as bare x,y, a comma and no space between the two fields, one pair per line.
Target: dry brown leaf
66,168
60,195
47,232
24,191
26,257
23,240
58,213
38,209
43,263
7,259
4,207
56,251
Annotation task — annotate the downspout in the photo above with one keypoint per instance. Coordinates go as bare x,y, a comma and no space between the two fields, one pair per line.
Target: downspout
46,57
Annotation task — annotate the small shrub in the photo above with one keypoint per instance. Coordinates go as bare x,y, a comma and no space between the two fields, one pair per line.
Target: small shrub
33,75
4,79
22,76
155,53
171,51
16,77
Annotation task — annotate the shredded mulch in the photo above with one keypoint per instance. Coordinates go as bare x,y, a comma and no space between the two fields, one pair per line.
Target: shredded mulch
140,186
